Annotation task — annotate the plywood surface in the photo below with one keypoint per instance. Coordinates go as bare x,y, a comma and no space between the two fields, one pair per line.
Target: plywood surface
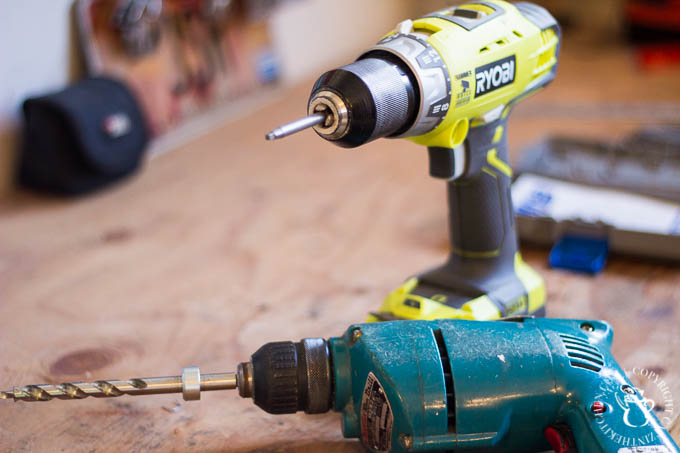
231,242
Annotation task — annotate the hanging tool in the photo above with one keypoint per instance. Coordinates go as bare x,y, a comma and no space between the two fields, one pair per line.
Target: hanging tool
139,23
519,385
448,81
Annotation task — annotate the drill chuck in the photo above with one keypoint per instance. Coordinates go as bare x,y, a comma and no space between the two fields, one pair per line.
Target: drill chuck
286,377
397,88
369,99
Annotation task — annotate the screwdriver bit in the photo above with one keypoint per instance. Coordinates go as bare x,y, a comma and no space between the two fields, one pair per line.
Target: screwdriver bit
296,126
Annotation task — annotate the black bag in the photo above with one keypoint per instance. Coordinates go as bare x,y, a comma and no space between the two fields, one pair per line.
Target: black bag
82,138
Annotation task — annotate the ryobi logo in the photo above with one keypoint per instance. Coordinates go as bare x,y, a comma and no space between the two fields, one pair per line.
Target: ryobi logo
495,75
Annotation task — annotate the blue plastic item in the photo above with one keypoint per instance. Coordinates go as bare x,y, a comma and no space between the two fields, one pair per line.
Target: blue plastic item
582,254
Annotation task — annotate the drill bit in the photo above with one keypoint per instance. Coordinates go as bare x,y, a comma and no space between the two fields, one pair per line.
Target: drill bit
191,383
296,126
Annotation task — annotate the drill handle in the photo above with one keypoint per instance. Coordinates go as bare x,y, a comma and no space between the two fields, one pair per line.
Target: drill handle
629,428
481,217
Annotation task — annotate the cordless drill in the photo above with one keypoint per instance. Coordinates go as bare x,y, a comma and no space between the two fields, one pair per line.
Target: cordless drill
518,385
448,81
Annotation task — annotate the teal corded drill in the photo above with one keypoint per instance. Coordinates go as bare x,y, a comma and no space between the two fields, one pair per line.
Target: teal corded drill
519,385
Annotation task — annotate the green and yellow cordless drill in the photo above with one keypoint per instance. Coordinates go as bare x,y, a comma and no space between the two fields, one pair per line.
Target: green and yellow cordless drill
448,81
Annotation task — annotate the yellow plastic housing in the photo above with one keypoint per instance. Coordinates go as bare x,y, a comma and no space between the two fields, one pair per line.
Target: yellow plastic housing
465,50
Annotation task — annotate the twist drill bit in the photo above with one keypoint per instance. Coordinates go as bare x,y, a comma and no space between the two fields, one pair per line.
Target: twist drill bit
191,383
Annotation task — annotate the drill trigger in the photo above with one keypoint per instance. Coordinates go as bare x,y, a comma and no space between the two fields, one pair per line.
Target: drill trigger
560,439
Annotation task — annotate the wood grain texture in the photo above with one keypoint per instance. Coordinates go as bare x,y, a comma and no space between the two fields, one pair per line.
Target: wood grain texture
231,242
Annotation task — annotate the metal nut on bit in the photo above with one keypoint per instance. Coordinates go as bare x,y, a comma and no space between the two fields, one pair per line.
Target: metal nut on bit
191,383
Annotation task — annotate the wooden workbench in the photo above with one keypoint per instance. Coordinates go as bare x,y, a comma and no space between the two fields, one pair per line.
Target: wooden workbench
230,242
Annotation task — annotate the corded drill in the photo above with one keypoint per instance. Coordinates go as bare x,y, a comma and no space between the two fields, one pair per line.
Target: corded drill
448,81
521,385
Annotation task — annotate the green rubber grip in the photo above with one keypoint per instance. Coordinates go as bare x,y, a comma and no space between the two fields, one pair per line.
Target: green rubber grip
480,206
481,218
